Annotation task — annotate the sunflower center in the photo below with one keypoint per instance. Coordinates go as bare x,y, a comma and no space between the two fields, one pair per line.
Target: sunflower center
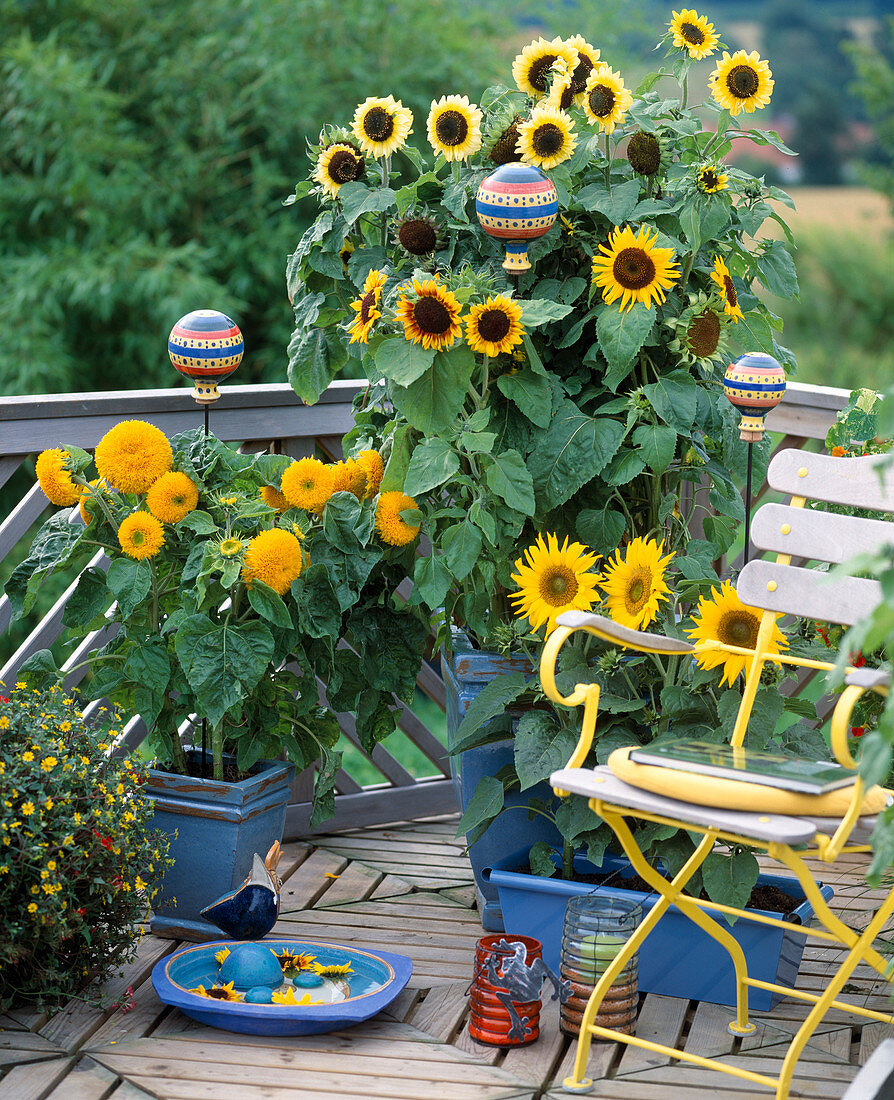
452,128
742,81
730,291
418,236
504,150
639,587
308,484
344,166
644,154
537,74
494,325
558,585
547,140
633,268
738,628
431,316
709,178
367,304
601,100
703,334
138,537
581,74
219,994
378,125
692,33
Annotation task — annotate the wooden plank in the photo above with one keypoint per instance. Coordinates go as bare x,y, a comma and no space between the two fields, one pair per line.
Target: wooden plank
864,482
391,886
29,509
375,807
13,1056
308,882
401,1007
709,1033
464,895
138,1021
480,1051
355,883
88,1080
600,1059
440,1013
27,1040
34,1082
870,1037
173,1089
660,1020
537,1062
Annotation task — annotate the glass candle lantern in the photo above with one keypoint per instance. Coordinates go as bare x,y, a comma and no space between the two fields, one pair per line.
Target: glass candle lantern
596,929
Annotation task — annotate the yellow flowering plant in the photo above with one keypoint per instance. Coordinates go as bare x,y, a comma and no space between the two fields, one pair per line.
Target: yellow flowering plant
229,584
76,850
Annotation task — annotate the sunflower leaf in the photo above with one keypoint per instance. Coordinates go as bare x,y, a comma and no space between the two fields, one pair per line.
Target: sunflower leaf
531,392
617,205
431,402
657,445
541,746
510,479
356,199
570,452
674,397
539,311
753,332
462,545
129,582
433,463
432,579
601,529
622,333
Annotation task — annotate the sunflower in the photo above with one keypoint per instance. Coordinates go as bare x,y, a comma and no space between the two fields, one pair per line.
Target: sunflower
275,558
634,584
692,32
307,484
222,955
547,138
504,142
87,505
337,164
221,992
553,579
531,69
294,960
700,333
454,127
229,547
431,318
374,468
392,527
273,498
561,95
742,82
348,477
606,101
721,276
587,60
644,153
382,126
132,455
418,234
494,327
367,308
54,477
709,179
141,535
172,497
291,998
632,269
333,971
724,618
346,249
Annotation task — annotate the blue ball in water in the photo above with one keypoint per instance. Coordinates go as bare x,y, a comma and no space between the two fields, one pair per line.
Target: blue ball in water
259,995
250,965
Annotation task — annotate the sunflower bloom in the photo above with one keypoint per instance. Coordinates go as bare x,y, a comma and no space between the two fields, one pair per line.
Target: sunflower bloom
431,318
553,579
531,69
392,527
334,970
724,618
307,484
587,60
454,127
348,477
742,82
132,455
561,95
382,126
494,327
87,505
219,992
273,498
634,584
692,32
338,164
723,279
366,307
709,179
141,535
633,269
54,477
374,468
229,547
172,497
275,558
605,100
547,138
222,955
644,154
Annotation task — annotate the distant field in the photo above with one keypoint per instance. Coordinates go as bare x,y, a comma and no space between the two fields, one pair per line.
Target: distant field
837,208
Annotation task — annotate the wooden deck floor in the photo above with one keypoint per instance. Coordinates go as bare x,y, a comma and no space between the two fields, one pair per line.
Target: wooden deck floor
408,888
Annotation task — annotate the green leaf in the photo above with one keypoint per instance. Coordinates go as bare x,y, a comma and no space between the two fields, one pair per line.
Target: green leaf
40,670
54,545
89,599
129,582
319,611
462,545
530,392
433,463
310,367
539,311
542,746
622,333
493,699
540,859
484,805
149,667
347,524
375,719
511,481
624,467
657,445
268,604
729,880
198,521
601,529
324,784
432,579
776,270
356,199
675,398
753,332
432,402
875,757
617,205
574,449
403,361
398,460
390,644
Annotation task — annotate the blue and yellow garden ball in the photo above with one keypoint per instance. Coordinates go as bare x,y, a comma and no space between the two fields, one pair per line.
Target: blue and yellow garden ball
754,385
515,204
207,347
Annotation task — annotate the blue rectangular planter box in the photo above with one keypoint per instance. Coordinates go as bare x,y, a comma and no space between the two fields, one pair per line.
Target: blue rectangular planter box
678,959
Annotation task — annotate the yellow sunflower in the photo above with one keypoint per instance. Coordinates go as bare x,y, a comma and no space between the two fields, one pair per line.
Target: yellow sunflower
141,535
634,583
54,477
172,497
307,484
374,468
553,579
294,960
605,100
132,455
392,527
587,60
431,318
547,138
633,269
275,558
348,477
494,327
291,998
367,308
218,992
723,279
560,95
334,970
222,955
229,547
742,82
531,69
724,618
273,498
454,127
709,179
337,164
382,126
692,32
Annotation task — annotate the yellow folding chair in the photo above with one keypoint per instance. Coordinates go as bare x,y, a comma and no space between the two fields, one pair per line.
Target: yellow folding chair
789,827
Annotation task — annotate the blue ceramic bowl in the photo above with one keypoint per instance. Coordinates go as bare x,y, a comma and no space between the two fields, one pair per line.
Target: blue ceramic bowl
377,978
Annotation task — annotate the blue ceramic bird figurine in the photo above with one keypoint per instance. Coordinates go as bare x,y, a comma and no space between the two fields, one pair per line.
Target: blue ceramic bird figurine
251,910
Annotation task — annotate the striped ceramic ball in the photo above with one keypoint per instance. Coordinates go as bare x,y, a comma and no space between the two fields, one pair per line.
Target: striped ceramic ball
515,204
207,347
754,384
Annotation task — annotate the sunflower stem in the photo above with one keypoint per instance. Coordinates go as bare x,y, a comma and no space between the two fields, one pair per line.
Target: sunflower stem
686,270
485,380
385,167
217,750
684,87
608,162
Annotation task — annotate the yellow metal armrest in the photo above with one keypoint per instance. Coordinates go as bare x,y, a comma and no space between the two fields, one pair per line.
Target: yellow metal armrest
588,694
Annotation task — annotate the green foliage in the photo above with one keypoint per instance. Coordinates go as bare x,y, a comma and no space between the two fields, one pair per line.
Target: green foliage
76,852
874,85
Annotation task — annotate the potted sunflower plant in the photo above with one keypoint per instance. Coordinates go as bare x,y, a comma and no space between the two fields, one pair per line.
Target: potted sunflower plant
225,587
579,398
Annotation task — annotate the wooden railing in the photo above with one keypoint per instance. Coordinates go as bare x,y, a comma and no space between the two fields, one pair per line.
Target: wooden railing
270,417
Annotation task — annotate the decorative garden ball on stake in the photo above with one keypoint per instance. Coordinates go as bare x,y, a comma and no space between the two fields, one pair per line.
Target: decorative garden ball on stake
207,347
515,204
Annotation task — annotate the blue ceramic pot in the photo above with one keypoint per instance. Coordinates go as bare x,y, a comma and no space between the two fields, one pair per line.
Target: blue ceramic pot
215,828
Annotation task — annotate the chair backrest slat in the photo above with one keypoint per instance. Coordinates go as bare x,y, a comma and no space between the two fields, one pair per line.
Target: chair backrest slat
818,536
851,481
807,592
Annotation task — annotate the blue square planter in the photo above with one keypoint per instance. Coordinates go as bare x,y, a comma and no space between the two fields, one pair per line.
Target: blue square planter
214,828
678,959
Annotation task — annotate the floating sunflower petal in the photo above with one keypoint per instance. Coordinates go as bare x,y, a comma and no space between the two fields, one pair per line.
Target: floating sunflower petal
724,618
633,269
552,579
741,82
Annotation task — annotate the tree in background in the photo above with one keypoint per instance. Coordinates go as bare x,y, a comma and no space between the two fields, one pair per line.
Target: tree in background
875,87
